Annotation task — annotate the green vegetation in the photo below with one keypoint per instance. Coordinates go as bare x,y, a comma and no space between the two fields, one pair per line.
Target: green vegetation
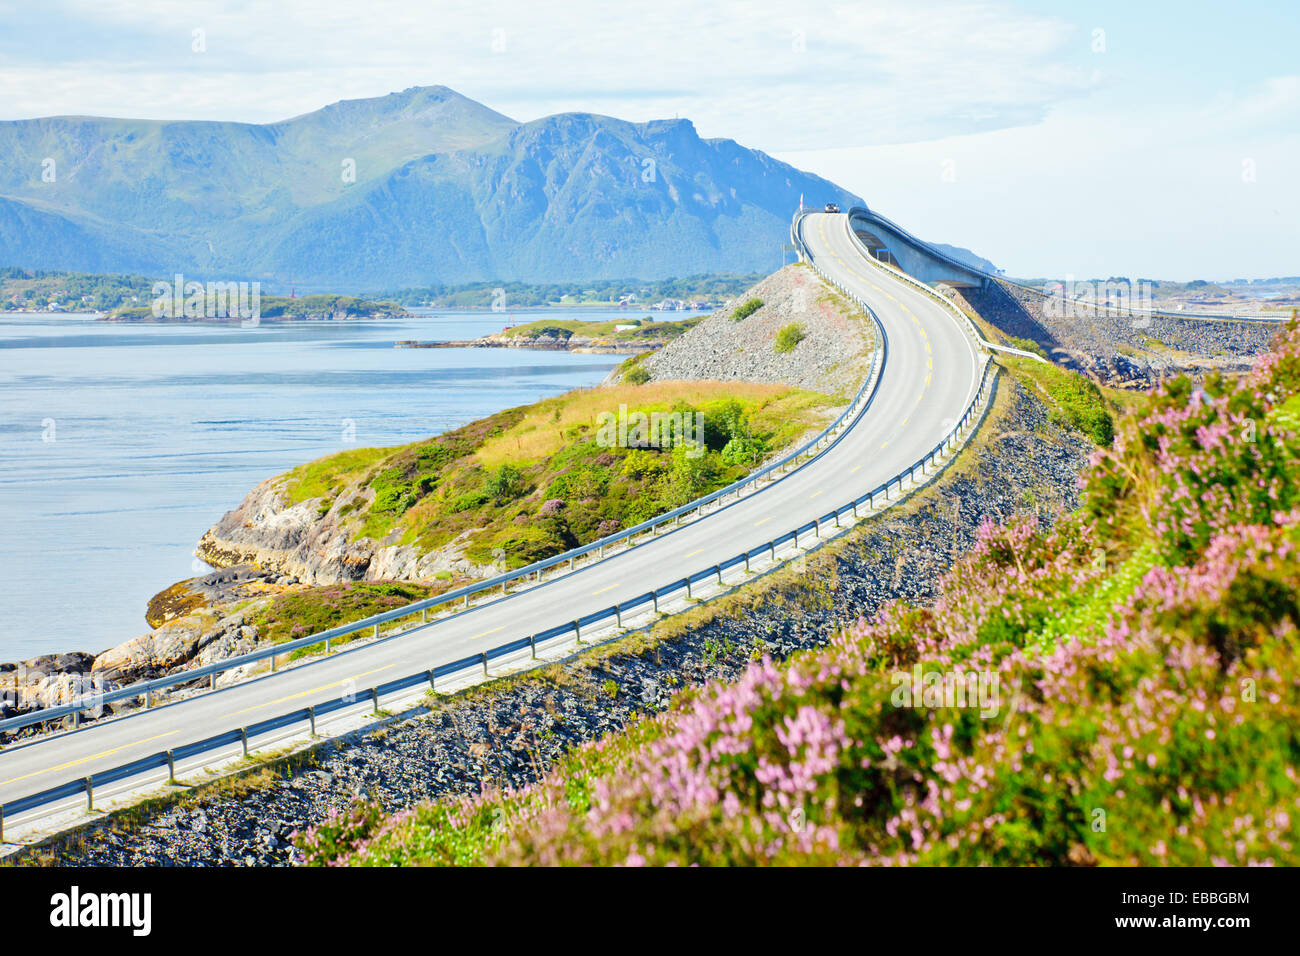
746,309
645,331
1073,401
1138,691
300,613
282,308
1027,345
534,481
636,375
594,292
76,291
789,336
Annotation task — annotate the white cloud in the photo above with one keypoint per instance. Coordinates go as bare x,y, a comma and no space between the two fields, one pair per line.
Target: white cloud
769,74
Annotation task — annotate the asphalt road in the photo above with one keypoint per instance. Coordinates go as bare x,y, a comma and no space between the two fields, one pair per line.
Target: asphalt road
931,376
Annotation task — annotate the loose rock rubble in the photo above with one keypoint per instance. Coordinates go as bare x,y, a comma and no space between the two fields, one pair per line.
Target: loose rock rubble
1119,348
832,357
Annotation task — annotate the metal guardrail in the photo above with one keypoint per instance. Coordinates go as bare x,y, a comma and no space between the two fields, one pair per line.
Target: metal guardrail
308,715
810,450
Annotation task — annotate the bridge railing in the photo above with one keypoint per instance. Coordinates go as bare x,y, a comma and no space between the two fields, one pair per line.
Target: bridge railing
307,716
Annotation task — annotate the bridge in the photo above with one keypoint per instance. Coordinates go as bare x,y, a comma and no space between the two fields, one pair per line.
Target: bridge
931,380
888,242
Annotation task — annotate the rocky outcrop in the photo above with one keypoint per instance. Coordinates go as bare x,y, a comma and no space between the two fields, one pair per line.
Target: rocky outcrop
297,541
832,357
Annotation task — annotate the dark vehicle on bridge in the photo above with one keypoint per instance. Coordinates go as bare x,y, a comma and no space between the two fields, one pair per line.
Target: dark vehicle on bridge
831,207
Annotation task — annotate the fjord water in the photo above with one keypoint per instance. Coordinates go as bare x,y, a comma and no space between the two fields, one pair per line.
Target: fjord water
121,444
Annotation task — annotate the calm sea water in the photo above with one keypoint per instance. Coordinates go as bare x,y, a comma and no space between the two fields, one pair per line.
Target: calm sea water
121,444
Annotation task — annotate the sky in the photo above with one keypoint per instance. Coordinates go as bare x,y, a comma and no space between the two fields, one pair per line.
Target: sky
1089,139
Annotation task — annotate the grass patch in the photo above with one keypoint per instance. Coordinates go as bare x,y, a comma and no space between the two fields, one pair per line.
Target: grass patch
789,336
746,309
1072,400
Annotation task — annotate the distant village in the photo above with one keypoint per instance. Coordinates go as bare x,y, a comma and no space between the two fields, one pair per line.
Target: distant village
631,300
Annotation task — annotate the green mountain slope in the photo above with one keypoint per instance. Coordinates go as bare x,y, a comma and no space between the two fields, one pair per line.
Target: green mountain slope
444,190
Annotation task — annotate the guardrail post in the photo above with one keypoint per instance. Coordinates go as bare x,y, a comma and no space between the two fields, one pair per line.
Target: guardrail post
90,794
532,645
772,547
376,631
171,766
148,699
570,564
577,632
243,738
718,569
464,601
484,656
747,562
327,647
618,616
602,551
76,719
655,593
272,663
688,587
424,615
503,586
817,528
374,699
212,681
2,826
431,680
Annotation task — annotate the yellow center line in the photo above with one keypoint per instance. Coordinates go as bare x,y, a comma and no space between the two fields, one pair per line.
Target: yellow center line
79,760
304,693
816,493
762,521
603,590
855,468
695,552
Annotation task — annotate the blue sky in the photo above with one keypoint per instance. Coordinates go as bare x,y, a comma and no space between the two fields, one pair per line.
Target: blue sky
1167,145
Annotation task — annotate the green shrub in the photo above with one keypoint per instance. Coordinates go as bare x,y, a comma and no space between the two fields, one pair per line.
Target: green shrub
746,309
504,484
789,336
636,375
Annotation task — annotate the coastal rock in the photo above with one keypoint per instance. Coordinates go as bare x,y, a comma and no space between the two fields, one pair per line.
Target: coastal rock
152,654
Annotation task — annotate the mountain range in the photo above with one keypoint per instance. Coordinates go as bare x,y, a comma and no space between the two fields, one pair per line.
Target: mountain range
414,188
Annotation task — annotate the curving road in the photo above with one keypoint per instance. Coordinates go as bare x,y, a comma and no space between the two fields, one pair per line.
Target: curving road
931,376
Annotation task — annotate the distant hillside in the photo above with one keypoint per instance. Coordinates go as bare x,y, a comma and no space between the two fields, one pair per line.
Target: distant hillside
438,189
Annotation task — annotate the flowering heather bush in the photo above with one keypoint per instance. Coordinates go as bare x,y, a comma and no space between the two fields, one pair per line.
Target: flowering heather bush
1144,654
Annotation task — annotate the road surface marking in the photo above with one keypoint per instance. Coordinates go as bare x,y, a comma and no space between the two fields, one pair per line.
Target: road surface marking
304,693
695,552
601,591
855,468
73,763
816,493
762,521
